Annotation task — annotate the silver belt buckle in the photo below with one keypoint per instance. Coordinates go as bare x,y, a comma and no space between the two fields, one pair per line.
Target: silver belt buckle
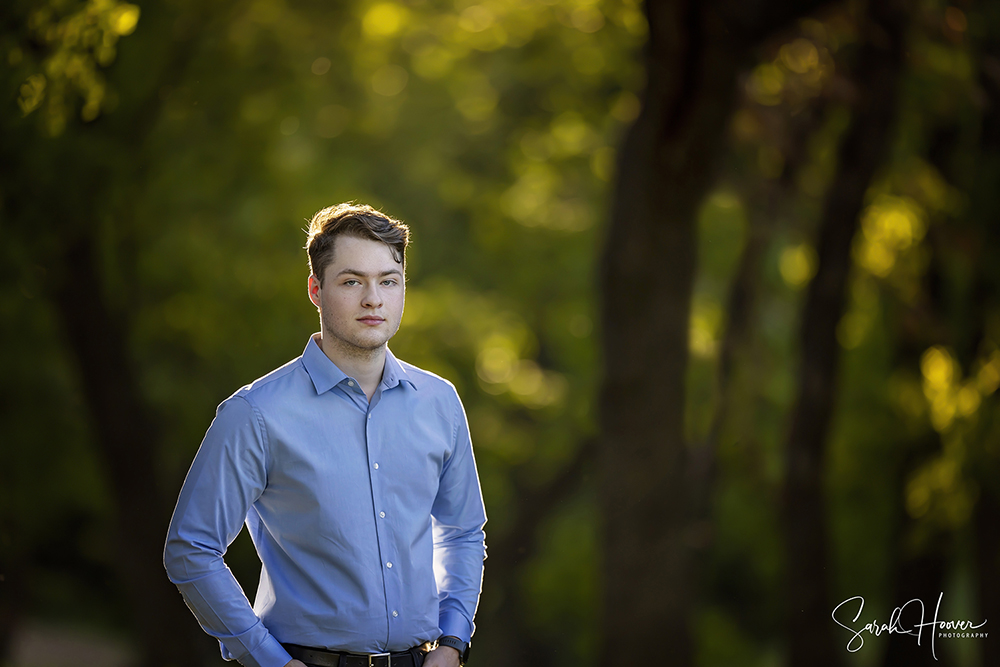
388,657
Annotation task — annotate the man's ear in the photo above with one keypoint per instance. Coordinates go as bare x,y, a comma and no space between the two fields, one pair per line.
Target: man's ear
314,290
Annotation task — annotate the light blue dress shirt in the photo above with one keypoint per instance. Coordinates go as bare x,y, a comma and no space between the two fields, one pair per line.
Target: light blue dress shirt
368,517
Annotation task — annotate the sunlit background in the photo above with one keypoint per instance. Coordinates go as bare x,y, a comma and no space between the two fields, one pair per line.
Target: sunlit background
160,161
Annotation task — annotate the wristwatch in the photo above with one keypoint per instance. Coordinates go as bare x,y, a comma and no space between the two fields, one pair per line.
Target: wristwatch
458,645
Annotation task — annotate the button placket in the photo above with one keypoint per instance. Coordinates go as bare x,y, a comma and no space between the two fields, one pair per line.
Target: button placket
383,537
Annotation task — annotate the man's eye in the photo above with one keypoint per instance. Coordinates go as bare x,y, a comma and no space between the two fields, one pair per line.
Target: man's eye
351,282
389,281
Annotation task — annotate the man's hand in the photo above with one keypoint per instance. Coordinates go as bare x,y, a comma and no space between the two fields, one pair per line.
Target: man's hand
442,656
295,663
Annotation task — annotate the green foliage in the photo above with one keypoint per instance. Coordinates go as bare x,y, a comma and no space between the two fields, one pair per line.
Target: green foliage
192,141
78,42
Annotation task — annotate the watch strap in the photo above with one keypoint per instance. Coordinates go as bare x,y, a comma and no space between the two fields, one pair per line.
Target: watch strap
461,646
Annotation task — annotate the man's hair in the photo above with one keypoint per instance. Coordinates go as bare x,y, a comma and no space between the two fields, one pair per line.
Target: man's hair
357,220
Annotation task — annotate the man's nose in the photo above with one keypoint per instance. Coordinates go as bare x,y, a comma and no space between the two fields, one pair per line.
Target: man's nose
372,296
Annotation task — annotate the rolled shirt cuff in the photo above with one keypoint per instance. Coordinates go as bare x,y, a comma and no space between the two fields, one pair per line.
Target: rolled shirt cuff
270,653
453,624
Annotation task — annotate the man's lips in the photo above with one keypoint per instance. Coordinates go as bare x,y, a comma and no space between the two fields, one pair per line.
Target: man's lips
371,320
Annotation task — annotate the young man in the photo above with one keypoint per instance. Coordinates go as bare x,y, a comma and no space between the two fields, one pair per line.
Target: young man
354,474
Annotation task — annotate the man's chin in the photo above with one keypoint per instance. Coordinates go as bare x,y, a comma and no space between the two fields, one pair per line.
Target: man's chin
355,345
366,344
363,345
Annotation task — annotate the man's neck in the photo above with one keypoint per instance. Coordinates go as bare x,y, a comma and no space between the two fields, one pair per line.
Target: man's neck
365,366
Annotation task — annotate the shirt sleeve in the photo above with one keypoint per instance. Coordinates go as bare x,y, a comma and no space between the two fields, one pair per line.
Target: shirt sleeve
228,474
458,517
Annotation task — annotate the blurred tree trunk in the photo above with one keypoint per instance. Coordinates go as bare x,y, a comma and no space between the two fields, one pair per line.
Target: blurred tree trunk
986,514
652,524
864,147
129,443
13,596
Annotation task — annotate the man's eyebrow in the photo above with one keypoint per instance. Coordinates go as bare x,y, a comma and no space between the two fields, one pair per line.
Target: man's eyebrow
355,272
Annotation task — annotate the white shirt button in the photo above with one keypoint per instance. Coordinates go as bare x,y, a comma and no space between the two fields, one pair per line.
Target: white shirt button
350,383
388,565
394,614
376,466
382,514
369,416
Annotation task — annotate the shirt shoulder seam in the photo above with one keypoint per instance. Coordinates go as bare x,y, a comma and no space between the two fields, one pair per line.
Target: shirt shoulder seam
274,376
259,427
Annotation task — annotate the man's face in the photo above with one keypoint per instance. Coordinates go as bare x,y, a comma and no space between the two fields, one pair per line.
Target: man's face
361,298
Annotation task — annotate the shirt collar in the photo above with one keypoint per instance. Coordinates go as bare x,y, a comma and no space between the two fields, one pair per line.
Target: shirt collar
394,373
325,374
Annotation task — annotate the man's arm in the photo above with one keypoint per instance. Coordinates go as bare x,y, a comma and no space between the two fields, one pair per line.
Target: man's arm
228,474
459,541
443,656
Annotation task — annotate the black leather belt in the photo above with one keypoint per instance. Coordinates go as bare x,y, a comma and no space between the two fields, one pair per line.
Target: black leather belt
323,658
